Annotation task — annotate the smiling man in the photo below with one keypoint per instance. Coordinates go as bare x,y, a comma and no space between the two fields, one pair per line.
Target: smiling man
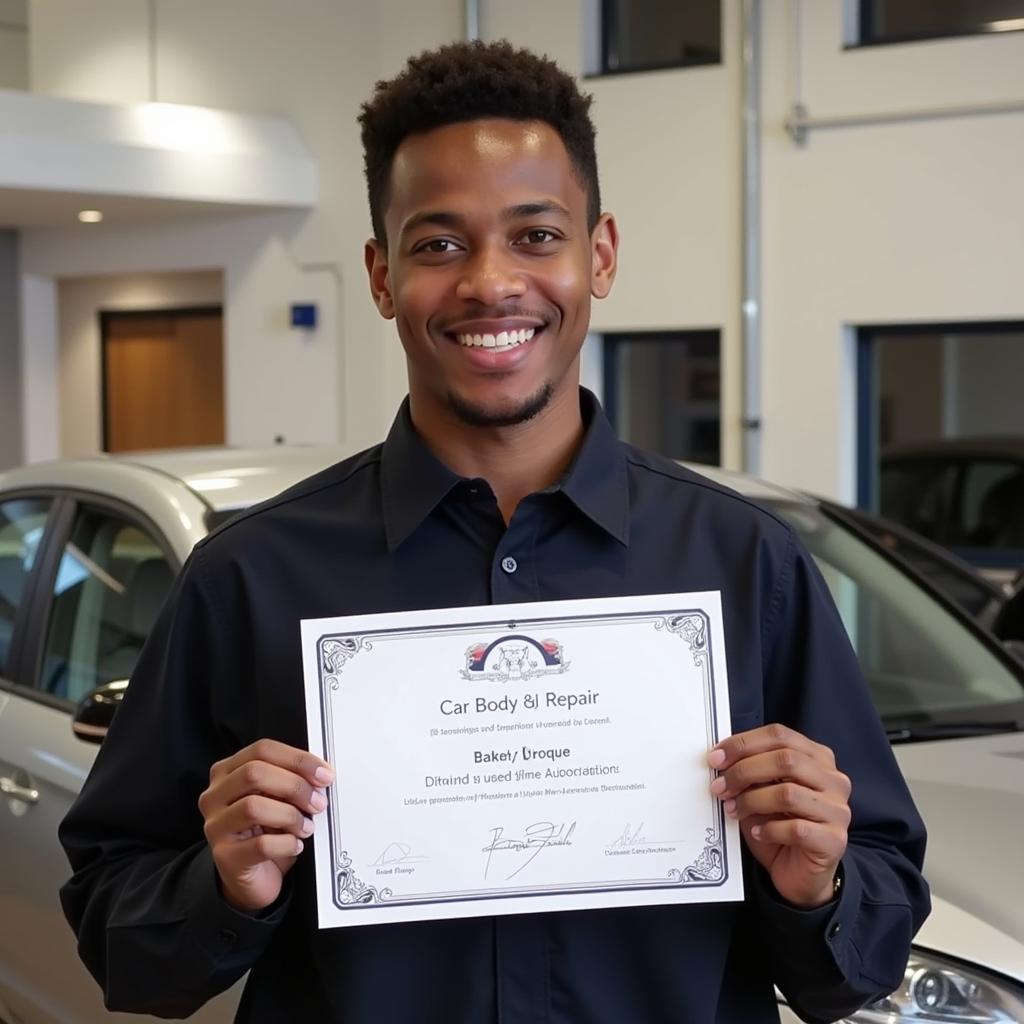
500,482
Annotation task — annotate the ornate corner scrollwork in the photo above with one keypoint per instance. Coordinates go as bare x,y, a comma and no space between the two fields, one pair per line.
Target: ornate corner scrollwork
693,628
709,865
351,890
335,652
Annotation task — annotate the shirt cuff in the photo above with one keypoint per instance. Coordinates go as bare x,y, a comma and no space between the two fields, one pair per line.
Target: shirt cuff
217,928
815,935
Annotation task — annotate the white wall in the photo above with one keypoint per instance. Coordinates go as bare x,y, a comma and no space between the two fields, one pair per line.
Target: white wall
79,356
10,352
899,223
344,381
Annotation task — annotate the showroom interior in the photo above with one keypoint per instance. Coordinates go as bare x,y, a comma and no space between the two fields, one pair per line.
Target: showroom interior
821,267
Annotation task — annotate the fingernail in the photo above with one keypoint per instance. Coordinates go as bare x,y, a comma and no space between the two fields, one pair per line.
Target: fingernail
756,831
730,807
323,775
716,757
298,847
718,786
307,826
317,801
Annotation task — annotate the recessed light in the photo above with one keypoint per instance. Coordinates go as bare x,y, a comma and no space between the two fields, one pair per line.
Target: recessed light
90,216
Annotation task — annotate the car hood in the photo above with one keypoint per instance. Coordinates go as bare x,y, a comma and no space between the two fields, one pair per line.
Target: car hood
970,793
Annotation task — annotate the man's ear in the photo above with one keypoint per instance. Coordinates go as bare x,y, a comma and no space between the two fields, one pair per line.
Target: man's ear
604,247
376,258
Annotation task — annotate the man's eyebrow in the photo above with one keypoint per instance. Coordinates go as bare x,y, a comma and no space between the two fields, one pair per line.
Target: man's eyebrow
534,210
449,219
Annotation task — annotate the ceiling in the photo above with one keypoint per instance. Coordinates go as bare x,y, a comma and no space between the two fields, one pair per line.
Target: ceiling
21,208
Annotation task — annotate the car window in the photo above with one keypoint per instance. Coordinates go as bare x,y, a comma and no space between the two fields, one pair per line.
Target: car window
21,529
918,495
920,660
991,512
112,581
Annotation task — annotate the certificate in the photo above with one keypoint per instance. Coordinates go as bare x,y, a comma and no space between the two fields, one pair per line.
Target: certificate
511,759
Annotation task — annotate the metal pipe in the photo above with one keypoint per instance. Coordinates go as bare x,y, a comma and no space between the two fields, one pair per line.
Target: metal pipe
472,19
799,124
751,220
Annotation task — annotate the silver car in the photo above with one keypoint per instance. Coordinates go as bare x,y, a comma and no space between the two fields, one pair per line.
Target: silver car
88,551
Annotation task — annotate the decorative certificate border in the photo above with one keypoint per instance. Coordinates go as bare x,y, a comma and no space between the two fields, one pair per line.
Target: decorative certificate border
710,869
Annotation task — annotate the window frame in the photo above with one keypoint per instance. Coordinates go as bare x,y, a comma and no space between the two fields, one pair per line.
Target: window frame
865,34
612,340
29,642
608,47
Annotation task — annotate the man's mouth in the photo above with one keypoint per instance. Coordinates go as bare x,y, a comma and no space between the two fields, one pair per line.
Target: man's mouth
501,340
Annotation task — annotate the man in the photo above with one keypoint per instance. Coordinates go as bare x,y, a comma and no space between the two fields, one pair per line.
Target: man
499,482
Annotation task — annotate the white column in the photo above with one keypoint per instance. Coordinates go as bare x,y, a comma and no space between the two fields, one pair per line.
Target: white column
40,417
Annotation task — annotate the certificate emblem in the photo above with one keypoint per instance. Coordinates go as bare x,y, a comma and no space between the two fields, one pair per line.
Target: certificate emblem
514,656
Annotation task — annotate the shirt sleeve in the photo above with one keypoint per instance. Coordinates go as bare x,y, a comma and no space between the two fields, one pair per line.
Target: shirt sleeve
831,961
143,900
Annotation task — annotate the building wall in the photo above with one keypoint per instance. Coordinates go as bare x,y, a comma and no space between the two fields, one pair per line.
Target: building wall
10,346
910,222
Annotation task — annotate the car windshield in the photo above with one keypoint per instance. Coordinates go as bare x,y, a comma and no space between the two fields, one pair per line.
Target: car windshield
923,663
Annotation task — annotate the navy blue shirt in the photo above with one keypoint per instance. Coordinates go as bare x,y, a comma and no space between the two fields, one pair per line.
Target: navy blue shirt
393,529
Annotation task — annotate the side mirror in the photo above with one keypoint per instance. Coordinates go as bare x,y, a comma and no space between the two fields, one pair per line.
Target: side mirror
95,711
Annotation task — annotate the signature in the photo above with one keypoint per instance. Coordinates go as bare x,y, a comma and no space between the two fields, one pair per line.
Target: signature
396,853
536,837
628,837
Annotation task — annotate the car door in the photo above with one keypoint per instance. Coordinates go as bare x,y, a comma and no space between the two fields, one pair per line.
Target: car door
98,587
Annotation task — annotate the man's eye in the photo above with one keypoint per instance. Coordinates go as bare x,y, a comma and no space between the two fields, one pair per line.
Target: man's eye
438,245
538,236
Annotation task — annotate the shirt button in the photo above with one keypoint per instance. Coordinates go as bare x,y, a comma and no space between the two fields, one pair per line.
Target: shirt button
509,564
228,937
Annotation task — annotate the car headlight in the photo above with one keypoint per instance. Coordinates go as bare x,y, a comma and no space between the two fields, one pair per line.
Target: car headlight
940,990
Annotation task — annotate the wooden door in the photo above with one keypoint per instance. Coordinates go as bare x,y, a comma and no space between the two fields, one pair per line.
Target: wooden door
163,379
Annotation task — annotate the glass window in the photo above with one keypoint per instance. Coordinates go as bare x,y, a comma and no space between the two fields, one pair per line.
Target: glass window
919,495
894,21
643,35
921,662
662,392
112,581
21,529
992,505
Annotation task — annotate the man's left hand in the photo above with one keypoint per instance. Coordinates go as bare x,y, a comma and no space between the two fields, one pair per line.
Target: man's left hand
792,804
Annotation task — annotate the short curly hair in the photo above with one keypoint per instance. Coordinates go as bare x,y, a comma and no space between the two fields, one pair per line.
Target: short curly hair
468,80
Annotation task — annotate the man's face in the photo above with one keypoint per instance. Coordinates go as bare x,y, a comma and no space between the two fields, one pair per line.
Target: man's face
489,269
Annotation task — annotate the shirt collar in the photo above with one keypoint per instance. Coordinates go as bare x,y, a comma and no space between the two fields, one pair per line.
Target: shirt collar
596,480
414,481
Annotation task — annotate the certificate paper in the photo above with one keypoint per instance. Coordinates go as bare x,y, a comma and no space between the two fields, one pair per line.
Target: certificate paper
511,759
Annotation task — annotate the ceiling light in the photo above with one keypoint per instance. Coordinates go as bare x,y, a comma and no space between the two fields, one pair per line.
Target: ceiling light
90,216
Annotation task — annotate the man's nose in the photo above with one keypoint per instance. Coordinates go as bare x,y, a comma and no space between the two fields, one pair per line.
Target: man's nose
490,276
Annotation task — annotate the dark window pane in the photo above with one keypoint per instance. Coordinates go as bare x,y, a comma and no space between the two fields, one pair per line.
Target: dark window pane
111,583
639,34
884,21
662,392
21,530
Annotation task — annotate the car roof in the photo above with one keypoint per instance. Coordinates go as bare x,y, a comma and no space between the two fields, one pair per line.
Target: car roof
976,447
222,478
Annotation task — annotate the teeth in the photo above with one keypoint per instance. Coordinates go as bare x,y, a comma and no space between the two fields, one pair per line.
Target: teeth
505,339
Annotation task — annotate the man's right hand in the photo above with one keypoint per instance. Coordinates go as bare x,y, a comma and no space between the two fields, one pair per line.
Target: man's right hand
257,810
